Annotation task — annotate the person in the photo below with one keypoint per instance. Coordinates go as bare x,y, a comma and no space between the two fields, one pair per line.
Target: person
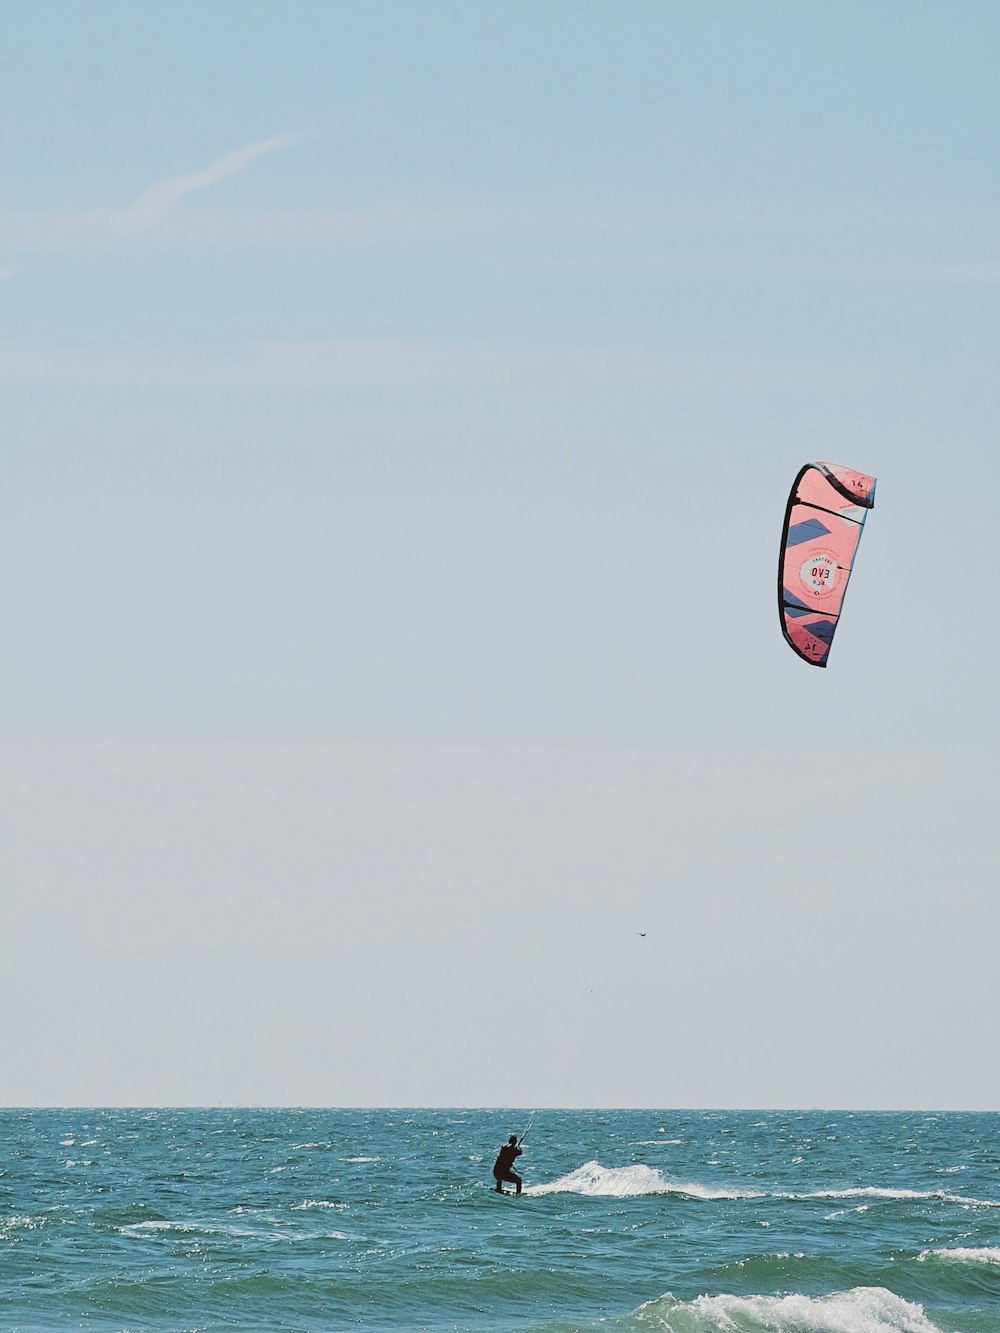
503,1166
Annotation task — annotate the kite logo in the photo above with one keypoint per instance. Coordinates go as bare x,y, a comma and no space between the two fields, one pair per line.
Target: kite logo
819,573
824,519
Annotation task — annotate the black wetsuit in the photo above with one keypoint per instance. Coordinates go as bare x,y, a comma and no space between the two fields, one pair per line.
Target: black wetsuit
502,1167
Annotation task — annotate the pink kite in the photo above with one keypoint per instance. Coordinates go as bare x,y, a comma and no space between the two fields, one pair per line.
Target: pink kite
824,518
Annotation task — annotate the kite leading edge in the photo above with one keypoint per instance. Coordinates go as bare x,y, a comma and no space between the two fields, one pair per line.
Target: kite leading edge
824,519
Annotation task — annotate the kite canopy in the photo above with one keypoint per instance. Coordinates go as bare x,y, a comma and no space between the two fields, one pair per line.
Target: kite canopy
824,518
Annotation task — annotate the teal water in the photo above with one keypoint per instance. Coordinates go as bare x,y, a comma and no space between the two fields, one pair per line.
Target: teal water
685,1221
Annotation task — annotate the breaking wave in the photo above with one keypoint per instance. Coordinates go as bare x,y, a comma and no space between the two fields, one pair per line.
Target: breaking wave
639,1179
985,1254
860,1310
628,1182
894,1195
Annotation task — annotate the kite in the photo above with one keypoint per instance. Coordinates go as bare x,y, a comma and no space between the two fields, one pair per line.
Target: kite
824,519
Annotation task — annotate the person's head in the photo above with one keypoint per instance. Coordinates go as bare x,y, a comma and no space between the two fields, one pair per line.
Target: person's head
512,1139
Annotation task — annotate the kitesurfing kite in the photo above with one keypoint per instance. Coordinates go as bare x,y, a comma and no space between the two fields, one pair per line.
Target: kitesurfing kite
824,518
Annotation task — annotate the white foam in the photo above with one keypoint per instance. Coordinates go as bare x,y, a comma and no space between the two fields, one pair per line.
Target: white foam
138,1228
861,1310
361,1159
983,1255
639,1179
880,1192
316,1203
629,1181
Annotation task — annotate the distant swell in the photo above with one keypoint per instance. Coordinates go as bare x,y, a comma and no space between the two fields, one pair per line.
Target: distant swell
861,1310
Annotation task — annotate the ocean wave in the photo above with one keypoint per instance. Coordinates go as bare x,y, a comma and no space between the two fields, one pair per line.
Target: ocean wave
894,1195
779,1271
138,1230
144,1228
622,1182
985,1254
640,1179
860,1310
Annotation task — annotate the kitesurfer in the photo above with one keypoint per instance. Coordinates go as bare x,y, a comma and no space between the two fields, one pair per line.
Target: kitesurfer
502,1167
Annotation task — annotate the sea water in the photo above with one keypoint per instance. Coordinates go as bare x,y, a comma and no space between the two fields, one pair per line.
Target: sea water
683,1221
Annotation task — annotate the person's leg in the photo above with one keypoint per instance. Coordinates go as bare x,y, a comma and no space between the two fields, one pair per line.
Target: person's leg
499,1182
516,1180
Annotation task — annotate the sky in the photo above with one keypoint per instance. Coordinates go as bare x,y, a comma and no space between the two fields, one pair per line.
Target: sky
399,405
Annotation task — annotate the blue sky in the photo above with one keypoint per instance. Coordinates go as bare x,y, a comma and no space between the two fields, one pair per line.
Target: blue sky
387,378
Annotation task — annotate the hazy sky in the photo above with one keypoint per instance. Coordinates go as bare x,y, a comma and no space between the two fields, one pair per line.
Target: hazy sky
399,407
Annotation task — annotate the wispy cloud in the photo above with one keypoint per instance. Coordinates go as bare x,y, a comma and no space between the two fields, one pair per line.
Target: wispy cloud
159,199
373,363
98,232
7,271
331,363
985,273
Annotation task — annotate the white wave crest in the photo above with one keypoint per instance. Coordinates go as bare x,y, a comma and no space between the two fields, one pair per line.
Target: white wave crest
138,1230
880,1192
638,1179
144,1228
983,1255
861,1310
627,1182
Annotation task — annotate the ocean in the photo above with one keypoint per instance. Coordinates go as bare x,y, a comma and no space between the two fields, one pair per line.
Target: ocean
681,1221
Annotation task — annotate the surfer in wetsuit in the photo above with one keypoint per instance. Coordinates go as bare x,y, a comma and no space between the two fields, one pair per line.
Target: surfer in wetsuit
502,1167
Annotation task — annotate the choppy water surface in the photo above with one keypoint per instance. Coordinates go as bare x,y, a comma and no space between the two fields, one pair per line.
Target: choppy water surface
794,1222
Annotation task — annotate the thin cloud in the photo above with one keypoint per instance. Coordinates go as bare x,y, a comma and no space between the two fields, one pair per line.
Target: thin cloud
96,232
987,273
7,271
154,203
373,363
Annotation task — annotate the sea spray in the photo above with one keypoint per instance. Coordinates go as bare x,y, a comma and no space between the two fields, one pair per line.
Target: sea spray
629,1182
861,1310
